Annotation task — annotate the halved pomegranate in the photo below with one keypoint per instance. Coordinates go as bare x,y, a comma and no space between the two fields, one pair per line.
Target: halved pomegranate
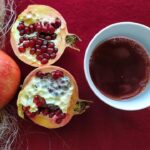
49,97
39,36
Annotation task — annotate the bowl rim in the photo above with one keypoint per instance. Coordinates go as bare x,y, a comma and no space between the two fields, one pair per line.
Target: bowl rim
86,67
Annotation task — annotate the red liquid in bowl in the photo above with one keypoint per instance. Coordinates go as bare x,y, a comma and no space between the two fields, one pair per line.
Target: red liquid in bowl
120,68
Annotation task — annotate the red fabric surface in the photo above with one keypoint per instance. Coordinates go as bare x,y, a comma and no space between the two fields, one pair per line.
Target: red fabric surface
101,127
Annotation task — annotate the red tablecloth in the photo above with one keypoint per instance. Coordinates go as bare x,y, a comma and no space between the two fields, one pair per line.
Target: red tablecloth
101,127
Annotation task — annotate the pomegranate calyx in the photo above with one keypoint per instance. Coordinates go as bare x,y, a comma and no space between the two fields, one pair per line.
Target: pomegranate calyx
81,106
71,40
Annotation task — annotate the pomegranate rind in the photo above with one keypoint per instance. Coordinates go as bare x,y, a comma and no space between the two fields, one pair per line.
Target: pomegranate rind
10,78
40,119
42,11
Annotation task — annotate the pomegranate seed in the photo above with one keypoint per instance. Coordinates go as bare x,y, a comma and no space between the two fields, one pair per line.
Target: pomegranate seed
51,29
35,38
31,27
44,29
58,120
57,74
53,55
45,55
26,44
27,30
26,108
30,114
37,46
31,43
39,101
53,36
55,50
58,112
40,74
51,114
48,37
20,26
44,61
62,115
57,23
51,45
21,40
38,51
45,111
39,57
21,33
21,49
32,51
39,42
39,28
50,50
43,48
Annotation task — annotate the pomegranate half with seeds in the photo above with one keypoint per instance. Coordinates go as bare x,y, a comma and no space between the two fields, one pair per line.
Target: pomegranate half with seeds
39,36
49,97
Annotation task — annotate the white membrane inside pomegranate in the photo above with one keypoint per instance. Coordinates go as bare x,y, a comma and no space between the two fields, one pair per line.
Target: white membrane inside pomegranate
47,93
38,37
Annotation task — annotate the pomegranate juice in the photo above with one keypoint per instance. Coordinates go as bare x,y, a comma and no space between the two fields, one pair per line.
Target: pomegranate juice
120,68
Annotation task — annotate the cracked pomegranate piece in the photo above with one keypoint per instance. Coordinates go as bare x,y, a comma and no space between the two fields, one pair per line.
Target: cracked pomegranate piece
41,27
49,97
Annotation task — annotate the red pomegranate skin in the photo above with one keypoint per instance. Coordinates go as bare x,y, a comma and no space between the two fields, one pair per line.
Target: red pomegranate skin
9,78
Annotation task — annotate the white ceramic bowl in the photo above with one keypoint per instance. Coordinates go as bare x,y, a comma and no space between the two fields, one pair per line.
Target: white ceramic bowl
140,33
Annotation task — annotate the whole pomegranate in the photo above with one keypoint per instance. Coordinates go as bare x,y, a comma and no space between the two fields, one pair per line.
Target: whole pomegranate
9,78
49,97
39,36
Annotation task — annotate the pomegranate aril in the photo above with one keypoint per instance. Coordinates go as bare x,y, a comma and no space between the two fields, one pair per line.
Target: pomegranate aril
50,50
39,28
26,30
51,45
26,44
40,74
53,36
21,49
32,51
39,57
30,114
21,33
45,111
57,23
53,55
46,23
46,55
44,61
44,29
31,43
42,101
57,74
35,38
51,29
21,39
43,48
58,120
31,27
25,38
58,112
38,51
51,114
62,115
39,42
26,108
39,101
55,50
20,26
48,37
37,46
